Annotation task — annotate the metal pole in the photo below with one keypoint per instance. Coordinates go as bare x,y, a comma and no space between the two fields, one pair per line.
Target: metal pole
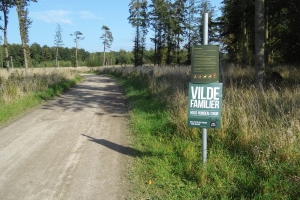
205,29
204,145
204,130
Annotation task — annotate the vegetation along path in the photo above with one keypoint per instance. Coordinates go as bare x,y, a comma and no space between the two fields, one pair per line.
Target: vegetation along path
73,147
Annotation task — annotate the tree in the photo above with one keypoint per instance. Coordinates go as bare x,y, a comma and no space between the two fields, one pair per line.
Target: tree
237,30
138,19
58,41
178,24
282,38
259,43
107,40
156,18
24,25
1,51
123,57
178,28
191,23
78,37
5,6
16,51
46,53
283,31
36,53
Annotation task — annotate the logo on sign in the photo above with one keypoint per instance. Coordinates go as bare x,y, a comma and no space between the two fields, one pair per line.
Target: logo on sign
213,123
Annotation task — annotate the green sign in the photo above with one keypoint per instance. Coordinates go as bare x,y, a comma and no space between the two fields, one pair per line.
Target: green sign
205,64
205,105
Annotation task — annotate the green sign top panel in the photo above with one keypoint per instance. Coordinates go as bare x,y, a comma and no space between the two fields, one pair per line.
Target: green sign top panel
205,64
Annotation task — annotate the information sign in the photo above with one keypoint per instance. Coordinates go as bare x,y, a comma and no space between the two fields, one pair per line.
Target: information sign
205,64
205,105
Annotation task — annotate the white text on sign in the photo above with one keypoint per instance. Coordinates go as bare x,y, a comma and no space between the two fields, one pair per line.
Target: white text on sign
205,97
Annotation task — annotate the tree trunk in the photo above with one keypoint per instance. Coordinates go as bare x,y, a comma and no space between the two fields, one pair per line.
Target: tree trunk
137,45
23,35
245,45
56,64
266,36
259,43
178,49
25,58
104,52
155,45
11,62
104,57
76,61
5,37
169,46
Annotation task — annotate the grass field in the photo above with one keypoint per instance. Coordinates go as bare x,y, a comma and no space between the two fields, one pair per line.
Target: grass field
19,93
255,154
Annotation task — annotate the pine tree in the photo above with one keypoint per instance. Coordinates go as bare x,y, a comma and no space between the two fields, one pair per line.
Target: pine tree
107,40
58,42
139,20
156,17
24,25
5,6
78,37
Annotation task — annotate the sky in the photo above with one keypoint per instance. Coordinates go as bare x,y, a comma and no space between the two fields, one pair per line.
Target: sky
86,16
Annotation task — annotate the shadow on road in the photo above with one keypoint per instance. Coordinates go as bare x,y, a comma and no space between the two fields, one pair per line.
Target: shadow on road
95,92
118,148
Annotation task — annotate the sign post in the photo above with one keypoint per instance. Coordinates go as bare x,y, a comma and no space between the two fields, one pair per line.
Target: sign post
204,130
205,93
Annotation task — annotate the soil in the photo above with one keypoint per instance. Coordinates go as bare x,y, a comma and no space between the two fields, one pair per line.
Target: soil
72,147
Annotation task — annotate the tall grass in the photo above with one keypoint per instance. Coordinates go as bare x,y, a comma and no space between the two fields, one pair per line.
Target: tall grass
67,71
14,84
61,63
19,93
255,155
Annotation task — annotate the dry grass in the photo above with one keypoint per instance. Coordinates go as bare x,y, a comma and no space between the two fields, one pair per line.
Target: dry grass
14,84
4,73
255,154
265,124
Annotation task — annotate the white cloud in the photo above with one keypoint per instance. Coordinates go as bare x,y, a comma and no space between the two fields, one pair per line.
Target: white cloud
53,16
89,15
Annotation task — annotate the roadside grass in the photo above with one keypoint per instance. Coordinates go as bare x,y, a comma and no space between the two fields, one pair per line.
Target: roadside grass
18,93
255,155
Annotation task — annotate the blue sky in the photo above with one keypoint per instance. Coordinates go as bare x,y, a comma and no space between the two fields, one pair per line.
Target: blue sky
86,16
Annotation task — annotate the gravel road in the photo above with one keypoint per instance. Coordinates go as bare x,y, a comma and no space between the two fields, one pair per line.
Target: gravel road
72,147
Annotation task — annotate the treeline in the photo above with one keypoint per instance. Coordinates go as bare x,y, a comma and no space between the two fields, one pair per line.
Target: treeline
45,56
177,25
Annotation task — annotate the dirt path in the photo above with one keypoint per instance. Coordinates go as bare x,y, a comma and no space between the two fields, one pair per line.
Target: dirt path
73,147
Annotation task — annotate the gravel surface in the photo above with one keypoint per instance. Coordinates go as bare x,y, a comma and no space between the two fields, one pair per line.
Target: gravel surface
72,147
